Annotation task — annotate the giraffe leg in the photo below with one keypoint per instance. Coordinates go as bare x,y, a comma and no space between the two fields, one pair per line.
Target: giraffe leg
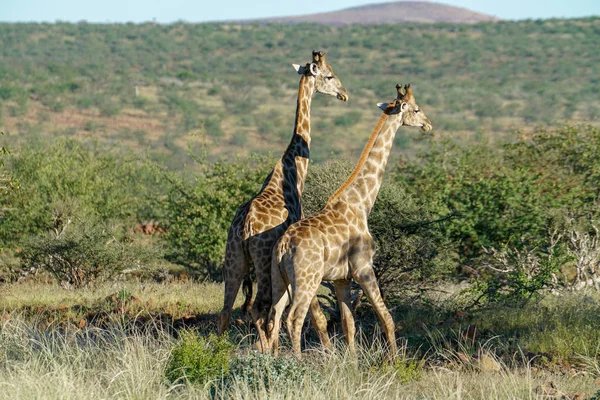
235,269
368,282
303,295
319,321
280,291
232,286
342,292
262,303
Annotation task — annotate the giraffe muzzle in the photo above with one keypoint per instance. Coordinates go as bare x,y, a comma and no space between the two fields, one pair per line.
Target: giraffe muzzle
342,96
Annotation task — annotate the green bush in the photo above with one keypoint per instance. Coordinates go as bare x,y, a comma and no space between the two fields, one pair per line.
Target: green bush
407,372
200,209
196,359
514,192
82,252
105,184
509,201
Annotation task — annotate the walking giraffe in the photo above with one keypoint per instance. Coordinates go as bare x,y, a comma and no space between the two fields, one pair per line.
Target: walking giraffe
261,221
335,244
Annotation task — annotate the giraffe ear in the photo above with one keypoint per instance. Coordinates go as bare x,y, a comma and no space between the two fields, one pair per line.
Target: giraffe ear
314,69
299,68
383,106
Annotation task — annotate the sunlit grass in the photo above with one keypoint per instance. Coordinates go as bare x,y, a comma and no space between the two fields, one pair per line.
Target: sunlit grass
118,363
199,297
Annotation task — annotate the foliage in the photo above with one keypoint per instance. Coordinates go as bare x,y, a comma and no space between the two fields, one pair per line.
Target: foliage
515,192
102,183
7,183
408,372
412,251
200,209
519,274
81,252
198,359
263,371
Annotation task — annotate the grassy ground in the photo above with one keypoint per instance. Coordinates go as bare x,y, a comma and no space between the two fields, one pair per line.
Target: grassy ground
544,349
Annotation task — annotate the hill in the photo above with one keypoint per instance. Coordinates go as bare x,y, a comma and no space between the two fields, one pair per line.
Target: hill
233,85
390,13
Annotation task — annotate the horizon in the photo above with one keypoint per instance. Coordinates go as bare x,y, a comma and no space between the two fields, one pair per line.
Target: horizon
138,11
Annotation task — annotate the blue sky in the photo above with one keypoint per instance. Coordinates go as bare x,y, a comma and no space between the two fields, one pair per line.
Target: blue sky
210,10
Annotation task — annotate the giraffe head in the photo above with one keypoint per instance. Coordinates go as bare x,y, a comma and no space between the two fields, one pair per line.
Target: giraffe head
325,80
407,109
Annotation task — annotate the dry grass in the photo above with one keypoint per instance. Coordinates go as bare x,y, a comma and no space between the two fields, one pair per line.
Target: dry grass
115,363
174,297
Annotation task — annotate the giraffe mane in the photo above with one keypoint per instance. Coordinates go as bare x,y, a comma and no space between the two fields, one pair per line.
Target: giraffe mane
363,158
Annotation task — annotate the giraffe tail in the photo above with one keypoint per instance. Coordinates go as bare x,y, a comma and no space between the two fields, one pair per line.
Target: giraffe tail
281,247
247,290
247,283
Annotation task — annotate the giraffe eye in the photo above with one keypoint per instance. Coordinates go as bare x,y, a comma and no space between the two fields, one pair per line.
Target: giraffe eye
417,111
329,77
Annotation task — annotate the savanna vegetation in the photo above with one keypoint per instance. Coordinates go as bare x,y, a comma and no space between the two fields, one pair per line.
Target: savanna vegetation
115,202
151,85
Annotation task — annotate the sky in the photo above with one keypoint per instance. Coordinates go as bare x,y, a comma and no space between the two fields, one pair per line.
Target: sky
210,10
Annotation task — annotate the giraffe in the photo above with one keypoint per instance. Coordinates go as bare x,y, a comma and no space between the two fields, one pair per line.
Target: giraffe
261,221
334,244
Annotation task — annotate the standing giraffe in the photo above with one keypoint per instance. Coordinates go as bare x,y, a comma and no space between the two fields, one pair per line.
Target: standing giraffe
335,244
261,221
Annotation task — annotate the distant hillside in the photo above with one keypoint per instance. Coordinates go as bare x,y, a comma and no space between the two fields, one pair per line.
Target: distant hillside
390,13
158,87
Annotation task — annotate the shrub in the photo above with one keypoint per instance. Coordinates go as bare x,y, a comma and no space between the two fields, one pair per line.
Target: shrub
407,372
516,191
212,126
200,210
197,359
105,184
260,370
81,252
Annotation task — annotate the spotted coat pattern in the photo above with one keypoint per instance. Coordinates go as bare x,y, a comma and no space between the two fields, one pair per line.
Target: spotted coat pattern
261,221
335,244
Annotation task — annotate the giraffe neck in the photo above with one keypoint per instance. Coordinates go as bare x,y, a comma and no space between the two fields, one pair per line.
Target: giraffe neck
295,158
363,185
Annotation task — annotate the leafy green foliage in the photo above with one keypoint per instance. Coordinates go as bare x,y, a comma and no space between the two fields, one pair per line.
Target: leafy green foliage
102,183
511,201
198,359
408,372
200,209
516,192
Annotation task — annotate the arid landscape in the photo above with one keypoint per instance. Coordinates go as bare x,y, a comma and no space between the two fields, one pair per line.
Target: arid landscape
127,148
